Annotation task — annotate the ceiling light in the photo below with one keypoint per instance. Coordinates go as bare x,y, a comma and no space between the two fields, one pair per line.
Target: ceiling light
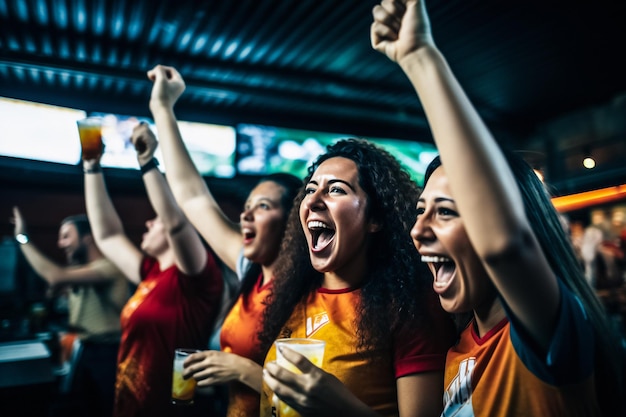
589,162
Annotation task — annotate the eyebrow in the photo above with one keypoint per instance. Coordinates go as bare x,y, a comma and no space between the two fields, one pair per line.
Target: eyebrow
437,200
333,181
256,201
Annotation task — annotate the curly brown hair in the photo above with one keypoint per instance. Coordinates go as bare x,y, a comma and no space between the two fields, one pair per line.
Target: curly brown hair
394,285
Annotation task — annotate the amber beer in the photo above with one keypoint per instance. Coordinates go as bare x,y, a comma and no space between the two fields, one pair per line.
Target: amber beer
90,132
183,390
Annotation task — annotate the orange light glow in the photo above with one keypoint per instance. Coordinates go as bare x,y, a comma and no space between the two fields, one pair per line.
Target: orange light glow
589,198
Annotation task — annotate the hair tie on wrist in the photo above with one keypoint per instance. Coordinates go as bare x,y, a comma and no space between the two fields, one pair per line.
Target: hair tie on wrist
148,166
93,170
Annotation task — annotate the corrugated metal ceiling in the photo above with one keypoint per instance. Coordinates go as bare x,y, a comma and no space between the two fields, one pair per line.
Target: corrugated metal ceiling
308,63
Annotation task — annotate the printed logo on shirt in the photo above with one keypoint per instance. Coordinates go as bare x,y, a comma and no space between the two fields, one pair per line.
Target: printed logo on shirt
458,395
315,323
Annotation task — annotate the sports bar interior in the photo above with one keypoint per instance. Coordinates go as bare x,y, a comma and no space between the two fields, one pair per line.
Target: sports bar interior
268,84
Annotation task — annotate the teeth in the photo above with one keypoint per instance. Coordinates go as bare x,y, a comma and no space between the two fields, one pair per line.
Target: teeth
435,259
316,225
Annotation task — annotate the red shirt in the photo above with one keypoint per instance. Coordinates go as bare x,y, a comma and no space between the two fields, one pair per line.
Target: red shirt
168,310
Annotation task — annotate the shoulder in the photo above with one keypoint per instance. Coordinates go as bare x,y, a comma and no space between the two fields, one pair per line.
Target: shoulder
106,268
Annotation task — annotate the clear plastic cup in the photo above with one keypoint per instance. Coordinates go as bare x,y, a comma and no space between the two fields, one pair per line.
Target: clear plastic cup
90,132
312,349
183,390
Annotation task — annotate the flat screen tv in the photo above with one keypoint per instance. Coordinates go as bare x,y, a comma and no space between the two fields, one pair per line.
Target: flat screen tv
263,150
39,131
43,132
211,147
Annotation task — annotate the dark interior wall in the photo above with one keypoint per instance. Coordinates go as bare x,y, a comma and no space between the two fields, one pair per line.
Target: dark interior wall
596,131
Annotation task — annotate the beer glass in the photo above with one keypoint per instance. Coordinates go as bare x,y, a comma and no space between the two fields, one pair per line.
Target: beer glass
183,390
90,132
311,349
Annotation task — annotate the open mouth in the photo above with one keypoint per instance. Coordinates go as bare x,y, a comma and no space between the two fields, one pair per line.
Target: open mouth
248,235
321,235
444,269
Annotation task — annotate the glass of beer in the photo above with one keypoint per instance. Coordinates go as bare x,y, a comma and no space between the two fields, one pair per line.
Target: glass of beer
183,390
90,132
311,349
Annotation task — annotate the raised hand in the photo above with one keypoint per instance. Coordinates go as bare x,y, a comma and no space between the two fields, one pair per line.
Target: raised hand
145,142
400,28
18,221
167,88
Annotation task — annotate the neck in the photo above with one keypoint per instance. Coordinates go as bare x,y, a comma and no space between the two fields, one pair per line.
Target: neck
350,275
488,315
166,259
333,281
268,273
93,253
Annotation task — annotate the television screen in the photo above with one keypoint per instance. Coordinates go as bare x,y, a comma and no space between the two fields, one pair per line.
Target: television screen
39,131
414,156
267,149
211,147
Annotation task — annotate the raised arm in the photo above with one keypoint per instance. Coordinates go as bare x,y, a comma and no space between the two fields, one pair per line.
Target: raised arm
53,273
189,253
106,225
188,186
481,181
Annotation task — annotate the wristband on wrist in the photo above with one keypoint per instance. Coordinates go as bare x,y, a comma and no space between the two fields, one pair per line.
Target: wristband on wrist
148,166
93,170
22,238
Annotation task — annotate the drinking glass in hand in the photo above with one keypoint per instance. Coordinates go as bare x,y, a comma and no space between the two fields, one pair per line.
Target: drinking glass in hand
311,349
182,389
90,132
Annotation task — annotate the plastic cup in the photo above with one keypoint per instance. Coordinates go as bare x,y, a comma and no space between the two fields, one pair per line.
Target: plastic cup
183,390
90,132
312,349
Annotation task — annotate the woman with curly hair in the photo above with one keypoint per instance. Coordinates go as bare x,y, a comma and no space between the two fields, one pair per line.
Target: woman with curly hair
347,274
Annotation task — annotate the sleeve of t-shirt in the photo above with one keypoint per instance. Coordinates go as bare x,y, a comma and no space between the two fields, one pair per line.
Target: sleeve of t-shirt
422,347
570,355
208,280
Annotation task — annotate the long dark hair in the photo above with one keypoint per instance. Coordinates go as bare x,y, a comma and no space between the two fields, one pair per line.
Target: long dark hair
391,291
558,249
291,185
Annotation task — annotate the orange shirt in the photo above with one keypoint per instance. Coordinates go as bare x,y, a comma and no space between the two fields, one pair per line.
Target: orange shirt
239,336
502,374
371,375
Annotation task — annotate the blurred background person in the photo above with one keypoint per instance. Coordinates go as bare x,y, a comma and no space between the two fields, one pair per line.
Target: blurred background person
97,293
179,286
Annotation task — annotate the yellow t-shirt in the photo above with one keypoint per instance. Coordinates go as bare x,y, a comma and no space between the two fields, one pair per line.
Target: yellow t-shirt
330,315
